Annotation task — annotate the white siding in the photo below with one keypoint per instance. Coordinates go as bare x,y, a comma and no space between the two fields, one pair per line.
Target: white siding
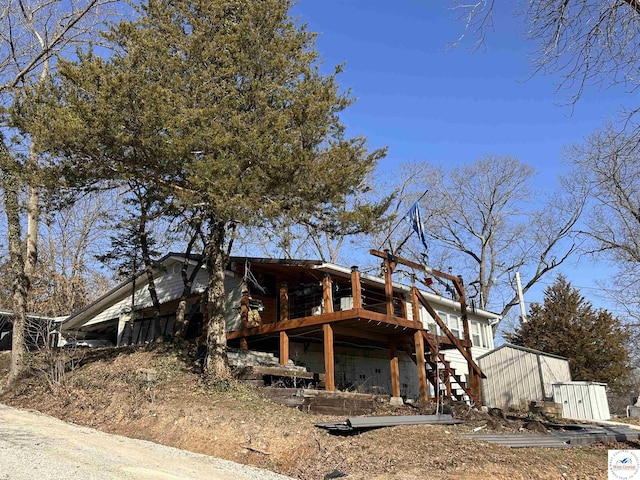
582,400
169,287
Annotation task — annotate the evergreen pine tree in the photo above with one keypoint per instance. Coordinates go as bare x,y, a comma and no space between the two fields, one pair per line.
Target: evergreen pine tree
566,324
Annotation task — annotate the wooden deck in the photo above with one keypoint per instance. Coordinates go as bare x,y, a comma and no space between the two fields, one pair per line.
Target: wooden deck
362,325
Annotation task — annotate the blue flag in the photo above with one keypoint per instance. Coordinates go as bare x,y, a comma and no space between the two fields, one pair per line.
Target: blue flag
413,217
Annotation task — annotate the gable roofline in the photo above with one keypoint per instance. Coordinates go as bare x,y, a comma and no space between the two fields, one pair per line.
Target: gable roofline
124,288
33,316
524,349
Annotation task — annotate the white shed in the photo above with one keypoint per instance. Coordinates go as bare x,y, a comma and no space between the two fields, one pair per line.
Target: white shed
517,375
582,400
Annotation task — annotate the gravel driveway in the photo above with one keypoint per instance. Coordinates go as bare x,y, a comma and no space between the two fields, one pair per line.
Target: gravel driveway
36,446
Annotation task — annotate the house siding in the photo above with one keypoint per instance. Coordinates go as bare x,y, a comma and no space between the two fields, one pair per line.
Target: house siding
169,287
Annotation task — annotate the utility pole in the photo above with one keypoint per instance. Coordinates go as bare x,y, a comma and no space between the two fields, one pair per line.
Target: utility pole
523,311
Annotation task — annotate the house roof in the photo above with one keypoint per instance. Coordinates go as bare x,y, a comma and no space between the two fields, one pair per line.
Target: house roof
112,303
34,316
524,349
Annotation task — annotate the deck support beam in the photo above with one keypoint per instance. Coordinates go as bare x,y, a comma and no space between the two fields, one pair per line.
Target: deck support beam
284,348
329,359
395,370
420,360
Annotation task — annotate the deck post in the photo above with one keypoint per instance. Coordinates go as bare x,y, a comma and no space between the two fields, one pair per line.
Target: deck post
395,371
388,285
356,290
415,304
422,373
329,362
327,294
284,348
284,302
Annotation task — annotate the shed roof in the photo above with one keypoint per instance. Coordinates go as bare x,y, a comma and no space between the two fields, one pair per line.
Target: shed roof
524,349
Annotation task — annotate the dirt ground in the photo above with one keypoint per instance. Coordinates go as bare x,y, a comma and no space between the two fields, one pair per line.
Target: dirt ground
233,421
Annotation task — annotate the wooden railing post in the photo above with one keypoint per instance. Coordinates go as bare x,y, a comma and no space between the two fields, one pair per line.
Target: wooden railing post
327,294
415,306
284,302
388,285
356,288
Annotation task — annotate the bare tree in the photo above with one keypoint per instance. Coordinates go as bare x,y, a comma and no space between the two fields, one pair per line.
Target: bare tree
324,234
607,165
585,42
483,221
31,34
71,236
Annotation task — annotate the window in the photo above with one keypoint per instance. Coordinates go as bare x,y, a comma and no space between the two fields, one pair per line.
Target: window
476,338
487,335
479,334
454,325
453,322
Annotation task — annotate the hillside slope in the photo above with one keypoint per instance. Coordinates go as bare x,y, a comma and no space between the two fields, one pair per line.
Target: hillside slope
108,391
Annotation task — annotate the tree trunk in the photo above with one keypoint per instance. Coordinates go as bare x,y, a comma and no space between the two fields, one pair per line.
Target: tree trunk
151,284
216,364
20,283
21,268
187,280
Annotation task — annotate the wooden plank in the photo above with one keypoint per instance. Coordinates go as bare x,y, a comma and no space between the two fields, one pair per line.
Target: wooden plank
388,285
422,373
394,364
263,370
472,364
327,294
356,288
329,358
378,338
284,348
313,320
414,265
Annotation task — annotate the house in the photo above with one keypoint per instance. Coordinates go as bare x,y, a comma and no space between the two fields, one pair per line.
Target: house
363,332
517,375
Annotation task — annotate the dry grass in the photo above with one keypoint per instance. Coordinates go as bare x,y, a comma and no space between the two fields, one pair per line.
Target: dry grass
236,422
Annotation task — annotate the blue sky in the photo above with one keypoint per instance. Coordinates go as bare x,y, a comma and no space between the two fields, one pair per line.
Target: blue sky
429,102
